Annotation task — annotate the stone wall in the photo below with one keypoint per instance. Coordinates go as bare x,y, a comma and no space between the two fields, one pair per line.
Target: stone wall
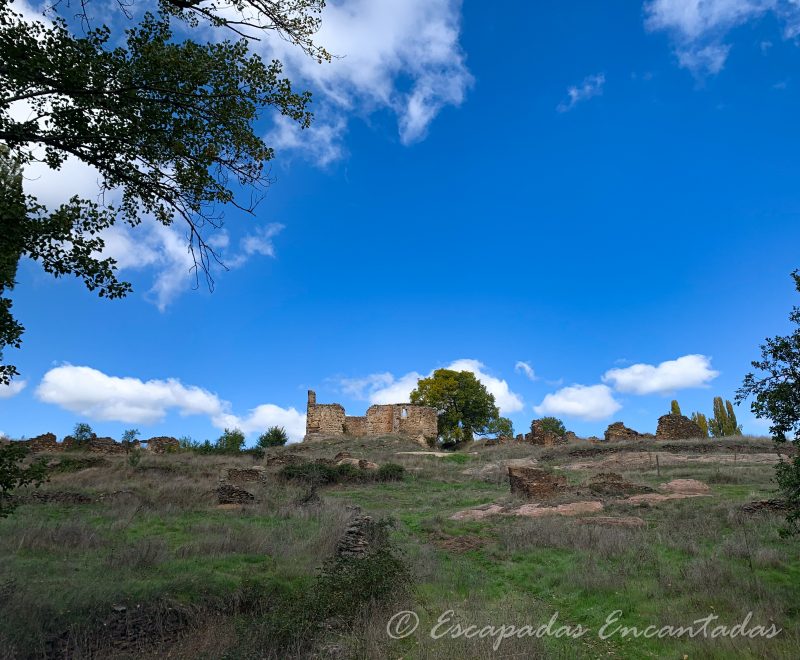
329,419
618,431
355,426
323,418
163,445
677,427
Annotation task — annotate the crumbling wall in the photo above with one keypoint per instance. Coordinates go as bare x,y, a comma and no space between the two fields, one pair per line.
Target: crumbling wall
403,418
677,427
355,426
323,418
328,419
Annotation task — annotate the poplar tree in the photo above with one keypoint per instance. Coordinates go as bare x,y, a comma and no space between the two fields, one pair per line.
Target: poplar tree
702,421
675,408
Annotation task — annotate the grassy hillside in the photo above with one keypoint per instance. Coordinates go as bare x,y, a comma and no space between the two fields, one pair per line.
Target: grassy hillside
121,561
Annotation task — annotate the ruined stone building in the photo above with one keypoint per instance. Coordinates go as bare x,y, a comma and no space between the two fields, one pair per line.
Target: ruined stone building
329,419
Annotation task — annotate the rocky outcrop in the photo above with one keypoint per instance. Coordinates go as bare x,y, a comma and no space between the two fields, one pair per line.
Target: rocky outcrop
535,483
677,427
618,431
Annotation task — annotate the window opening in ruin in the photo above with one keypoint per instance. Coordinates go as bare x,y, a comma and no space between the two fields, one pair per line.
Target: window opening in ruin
404,413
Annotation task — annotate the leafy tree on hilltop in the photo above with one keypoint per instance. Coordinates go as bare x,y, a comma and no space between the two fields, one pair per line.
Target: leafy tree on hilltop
164,111
776,397
82,433
274,436
465,407
231,441
675,408
551,425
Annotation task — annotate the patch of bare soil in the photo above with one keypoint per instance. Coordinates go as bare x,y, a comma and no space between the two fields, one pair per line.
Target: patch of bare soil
459,543
613,521
686,487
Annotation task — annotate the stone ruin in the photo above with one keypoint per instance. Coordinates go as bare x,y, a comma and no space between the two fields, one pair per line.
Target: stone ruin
618,431
96,445
677,427
542,437
670,427
324,420
535,482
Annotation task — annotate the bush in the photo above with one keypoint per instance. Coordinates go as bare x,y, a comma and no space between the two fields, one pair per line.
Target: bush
135,457
391,472
231,441
274,436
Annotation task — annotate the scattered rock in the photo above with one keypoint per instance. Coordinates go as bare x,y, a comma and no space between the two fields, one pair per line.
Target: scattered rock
284,459
341,455
535,483
230,494
360,463
495,470
677,427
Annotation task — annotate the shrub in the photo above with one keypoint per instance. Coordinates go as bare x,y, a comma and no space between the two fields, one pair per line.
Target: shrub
391,472
274,436
135,457
231,441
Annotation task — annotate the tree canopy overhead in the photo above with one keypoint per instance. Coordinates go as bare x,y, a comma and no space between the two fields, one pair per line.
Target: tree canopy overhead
166,118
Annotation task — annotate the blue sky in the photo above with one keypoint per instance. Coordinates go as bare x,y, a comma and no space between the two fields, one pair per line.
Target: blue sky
582,187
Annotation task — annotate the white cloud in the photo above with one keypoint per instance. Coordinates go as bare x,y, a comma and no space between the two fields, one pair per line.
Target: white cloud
12,389
320,143
589,402
95,395
526,369
262,417
699,27
400,55
166,251
590,87
385,388
687,371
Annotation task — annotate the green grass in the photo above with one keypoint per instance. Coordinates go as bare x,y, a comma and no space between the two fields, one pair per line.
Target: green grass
67,564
